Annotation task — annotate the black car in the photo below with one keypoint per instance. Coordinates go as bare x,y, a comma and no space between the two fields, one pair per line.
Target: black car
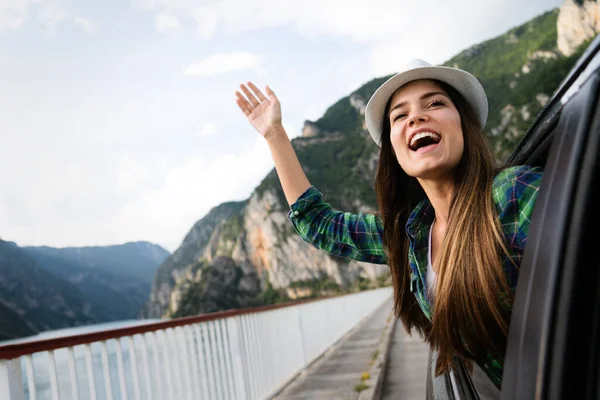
553,349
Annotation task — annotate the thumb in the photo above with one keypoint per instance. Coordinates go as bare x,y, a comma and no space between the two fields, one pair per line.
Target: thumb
270,93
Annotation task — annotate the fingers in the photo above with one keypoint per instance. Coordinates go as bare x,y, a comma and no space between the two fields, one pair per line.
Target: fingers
248,101
250,96
269,92
243,104
257,91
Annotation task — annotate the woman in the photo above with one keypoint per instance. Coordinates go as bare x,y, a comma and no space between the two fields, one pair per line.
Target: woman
450,225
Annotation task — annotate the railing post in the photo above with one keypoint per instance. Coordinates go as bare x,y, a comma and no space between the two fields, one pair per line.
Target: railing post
11,384
302,336
235,343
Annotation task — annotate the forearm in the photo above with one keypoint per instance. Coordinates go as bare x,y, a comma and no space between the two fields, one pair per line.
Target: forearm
290,172
356,236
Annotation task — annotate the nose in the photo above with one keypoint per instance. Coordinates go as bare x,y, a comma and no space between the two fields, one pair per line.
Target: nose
417,117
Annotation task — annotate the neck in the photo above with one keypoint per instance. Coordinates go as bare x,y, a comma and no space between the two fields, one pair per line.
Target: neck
439,193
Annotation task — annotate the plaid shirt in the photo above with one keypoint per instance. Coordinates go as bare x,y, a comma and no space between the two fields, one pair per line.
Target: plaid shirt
359,236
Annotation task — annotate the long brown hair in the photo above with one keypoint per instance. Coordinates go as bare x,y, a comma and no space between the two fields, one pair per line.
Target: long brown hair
471,310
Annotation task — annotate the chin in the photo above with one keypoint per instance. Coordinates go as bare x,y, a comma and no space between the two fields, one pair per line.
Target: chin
438,171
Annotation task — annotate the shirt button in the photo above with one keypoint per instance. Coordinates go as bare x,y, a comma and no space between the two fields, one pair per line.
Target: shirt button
296,212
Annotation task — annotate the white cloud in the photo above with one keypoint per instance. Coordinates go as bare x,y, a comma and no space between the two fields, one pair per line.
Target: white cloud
207,24
396,31
224,63
209,129
50,13
357,20
84,23
168,24
146,4
13,13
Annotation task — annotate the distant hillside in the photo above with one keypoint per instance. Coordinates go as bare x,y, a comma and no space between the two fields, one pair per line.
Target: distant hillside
137,260
116,279
12,325
519,70
44,288
42,300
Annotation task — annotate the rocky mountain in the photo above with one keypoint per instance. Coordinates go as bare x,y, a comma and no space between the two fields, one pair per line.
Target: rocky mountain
181,266
44,288
219,285
254,249
578,22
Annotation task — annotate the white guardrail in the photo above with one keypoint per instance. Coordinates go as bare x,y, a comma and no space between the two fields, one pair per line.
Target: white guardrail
241,354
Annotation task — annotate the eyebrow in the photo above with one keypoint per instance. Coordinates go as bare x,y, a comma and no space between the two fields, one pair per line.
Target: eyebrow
423,97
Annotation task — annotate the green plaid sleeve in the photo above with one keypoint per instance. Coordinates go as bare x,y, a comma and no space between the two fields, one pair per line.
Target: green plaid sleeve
515,192
356,236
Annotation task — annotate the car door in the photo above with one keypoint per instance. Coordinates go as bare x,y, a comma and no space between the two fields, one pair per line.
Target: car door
552,350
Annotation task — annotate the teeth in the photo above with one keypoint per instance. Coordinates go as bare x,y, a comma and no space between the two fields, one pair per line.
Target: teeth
422,135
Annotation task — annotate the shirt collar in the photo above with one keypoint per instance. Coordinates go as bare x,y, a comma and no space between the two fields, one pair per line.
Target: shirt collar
421,217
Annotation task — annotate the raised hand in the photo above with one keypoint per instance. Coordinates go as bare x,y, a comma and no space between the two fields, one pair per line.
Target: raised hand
264,113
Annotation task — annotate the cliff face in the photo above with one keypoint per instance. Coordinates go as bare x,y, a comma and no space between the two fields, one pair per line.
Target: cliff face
271,246
250,252
578,22
178,267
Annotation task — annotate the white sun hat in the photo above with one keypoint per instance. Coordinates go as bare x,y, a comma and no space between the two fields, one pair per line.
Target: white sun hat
465,83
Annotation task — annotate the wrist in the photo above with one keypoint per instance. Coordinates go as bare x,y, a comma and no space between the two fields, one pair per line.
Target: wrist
275,133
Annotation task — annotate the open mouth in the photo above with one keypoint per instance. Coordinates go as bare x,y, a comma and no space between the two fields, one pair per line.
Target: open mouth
424,139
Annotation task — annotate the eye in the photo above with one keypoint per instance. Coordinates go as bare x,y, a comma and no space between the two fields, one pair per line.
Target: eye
398,116
436,103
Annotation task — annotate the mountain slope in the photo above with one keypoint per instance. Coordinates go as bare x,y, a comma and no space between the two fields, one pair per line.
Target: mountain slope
12,325
41,299
187,256
44,288
136,260
116,280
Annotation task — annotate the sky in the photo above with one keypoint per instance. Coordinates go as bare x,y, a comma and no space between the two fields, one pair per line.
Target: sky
118,119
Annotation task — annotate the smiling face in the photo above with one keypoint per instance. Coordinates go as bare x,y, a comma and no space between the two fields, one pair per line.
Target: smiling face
425,130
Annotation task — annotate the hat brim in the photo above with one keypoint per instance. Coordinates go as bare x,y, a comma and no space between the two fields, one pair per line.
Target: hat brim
465,83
